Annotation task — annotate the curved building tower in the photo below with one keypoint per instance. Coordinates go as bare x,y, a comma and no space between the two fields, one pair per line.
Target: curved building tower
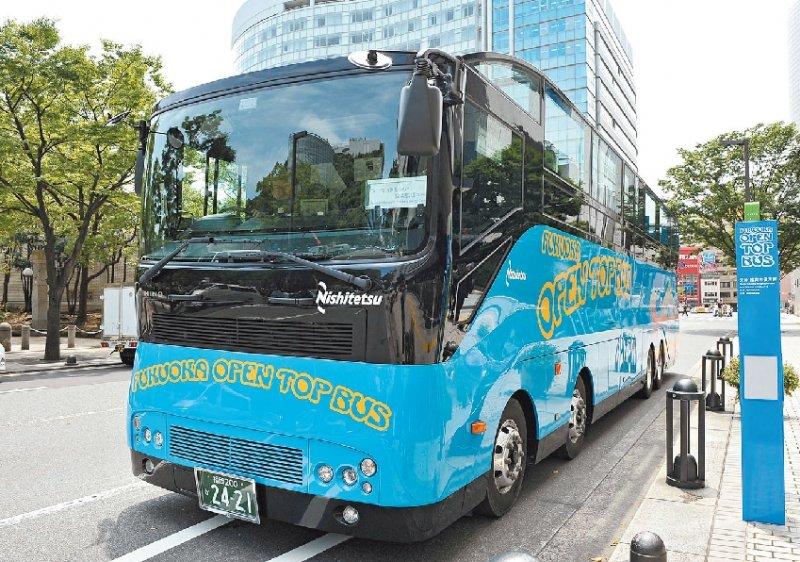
579,44
794,61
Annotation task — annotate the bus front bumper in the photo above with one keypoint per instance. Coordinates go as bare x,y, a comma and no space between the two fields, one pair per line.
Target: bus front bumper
395,524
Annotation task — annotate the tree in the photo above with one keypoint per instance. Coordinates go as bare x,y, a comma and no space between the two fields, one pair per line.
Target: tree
707,189
61,165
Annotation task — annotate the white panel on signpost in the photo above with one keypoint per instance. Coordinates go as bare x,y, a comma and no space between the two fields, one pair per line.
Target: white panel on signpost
761,377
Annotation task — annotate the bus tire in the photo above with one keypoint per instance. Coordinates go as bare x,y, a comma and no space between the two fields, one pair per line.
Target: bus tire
658,380
127,355
649,378
509,461
578,422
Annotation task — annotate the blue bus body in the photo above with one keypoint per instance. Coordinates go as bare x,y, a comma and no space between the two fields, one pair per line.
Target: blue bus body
557,299
465,311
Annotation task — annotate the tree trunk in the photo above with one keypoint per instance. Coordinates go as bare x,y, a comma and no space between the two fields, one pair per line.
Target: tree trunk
83,296
6,280
52,345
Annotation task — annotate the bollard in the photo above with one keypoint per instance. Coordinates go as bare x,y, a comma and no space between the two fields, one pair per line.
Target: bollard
71,336
684,471
648,547
71,360
514,557
25,334
712,367
725,346
5,335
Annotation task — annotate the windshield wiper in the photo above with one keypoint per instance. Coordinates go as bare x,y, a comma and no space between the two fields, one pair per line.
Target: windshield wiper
362,282
159,265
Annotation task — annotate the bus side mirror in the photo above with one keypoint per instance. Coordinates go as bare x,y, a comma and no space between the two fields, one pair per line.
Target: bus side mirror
419,128
138,172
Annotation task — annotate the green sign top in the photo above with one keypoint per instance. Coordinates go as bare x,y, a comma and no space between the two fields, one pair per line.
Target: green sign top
752,211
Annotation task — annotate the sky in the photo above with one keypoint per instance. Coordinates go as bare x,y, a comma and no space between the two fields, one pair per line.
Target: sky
702,67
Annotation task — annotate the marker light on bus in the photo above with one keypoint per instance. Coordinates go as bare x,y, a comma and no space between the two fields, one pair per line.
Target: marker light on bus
158,439
325,473
137,423
477,427
366,487
368,467
349,475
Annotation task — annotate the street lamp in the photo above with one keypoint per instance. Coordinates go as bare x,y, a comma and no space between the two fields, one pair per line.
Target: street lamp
745,143
27,287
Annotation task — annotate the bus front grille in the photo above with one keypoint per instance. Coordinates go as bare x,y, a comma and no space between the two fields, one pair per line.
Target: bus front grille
238,457
333,340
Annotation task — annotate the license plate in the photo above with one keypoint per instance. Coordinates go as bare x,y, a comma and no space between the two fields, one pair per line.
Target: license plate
226,494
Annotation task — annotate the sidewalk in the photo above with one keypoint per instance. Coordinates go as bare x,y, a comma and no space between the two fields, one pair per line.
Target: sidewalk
706,524
87,351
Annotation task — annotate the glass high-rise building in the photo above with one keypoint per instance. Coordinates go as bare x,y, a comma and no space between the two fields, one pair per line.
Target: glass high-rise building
579,44
794,61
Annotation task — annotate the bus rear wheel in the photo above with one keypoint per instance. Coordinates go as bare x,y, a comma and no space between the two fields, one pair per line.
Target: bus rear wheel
650,376
578,422
509,461
661,366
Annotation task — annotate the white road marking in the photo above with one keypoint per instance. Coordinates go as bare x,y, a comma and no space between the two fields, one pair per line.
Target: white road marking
38,421
68,504
22,389
311,549
175,539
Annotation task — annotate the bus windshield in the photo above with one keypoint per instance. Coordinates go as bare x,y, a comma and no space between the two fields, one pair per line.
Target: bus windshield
308,168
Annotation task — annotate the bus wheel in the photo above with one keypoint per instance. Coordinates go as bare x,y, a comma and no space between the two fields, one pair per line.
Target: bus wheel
658,380
578,422
127,355
509,460
649,379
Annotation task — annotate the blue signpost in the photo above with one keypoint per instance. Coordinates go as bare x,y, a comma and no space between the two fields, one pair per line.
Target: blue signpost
760,372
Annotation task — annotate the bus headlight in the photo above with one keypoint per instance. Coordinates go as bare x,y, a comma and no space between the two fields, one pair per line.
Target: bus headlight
158,439
368,467
148,435
137,422
325,473
366,487
349,475
350,515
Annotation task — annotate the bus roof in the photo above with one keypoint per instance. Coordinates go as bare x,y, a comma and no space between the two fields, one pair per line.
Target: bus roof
272,75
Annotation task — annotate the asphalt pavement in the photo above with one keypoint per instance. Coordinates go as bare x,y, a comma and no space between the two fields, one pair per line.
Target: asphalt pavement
67,492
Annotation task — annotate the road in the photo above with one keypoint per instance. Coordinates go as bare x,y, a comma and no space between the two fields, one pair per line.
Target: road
68,494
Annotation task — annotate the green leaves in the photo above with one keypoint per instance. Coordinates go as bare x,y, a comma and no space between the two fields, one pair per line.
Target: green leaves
707,189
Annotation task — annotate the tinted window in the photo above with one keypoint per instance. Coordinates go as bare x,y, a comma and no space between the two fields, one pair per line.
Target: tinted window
492,182
567,207
650,215
307,168
566,140
475,282
608,173
523,87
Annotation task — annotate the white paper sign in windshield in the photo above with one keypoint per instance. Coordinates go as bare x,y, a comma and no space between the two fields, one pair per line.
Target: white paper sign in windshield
396,193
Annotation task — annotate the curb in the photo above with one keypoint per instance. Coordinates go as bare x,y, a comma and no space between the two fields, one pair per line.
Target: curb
59,366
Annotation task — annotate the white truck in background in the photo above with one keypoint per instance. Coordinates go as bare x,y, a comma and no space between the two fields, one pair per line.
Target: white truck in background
120,322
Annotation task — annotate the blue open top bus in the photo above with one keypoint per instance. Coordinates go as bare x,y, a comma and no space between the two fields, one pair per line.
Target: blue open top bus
374,288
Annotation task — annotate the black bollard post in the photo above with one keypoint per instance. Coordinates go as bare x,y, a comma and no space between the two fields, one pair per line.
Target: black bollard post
712,363
725,347
648,547
683,470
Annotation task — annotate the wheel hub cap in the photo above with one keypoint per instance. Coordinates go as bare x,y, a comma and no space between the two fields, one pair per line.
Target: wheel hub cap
577,418
509,456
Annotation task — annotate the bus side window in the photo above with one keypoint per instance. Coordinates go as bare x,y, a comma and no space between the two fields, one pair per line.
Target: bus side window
473,282
492,173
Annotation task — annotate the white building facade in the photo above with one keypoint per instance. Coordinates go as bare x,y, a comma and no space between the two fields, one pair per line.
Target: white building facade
579,44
